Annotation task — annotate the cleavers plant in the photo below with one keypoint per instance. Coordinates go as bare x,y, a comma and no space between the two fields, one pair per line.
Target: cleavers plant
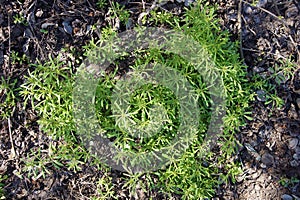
48,90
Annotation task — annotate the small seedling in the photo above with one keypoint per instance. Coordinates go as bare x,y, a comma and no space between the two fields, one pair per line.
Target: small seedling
2,178
19,19
289,182
18,59
8,97
119,11
101,4
45,31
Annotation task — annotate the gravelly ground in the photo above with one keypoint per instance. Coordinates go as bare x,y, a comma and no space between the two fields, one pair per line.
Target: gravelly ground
266,39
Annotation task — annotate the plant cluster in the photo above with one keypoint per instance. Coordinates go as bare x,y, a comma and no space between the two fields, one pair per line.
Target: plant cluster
19,19
2,193
8,97
48,90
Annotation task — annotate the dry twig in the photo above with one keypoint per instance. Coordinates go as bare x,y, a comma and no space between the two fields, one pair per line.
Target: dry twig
279,19
240,28
13,152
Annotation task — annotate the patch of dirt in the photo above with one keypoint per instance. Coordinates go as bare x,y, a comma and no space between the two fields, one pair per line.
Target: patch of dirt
269,32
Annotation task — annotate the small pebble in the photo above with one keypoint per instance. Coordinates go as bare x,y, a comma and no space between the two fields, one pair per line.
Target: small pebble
292,11
28,33
1,58
296,156
232,17
39,13
297,150
1,18
294,163
267,159
261,95
258,69
252,151
186,2
45,25
293,142
88,29
286,197
67,28
262,3
129,24
262,165
248,10
298,102
257,19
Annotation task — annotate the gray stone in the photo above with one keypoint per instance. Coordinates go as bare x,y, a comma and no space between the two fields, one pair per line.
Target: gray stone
129,24
39,13
186,2
248,10
293,142
296,156
262,3
261,95
298,102
286,197
263,166
1,18
297,150
258,69
45,25
67,27
1,58
257,19
294,163
252,151
267,159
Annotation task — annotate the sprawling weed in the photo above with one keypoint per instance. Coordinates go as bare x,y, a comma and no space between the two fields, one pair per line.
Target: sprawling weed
49,86
8,97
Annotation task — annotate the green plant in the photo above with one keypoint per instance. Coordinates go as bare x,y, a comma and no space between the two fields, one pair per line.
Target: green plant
45,31
48,90
101,4
282,71
69,155
19,19
16,58
119,12
2,178
8,97
186,175
36,165
49,86
268,82
105,189
288,182
265,84
162,17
